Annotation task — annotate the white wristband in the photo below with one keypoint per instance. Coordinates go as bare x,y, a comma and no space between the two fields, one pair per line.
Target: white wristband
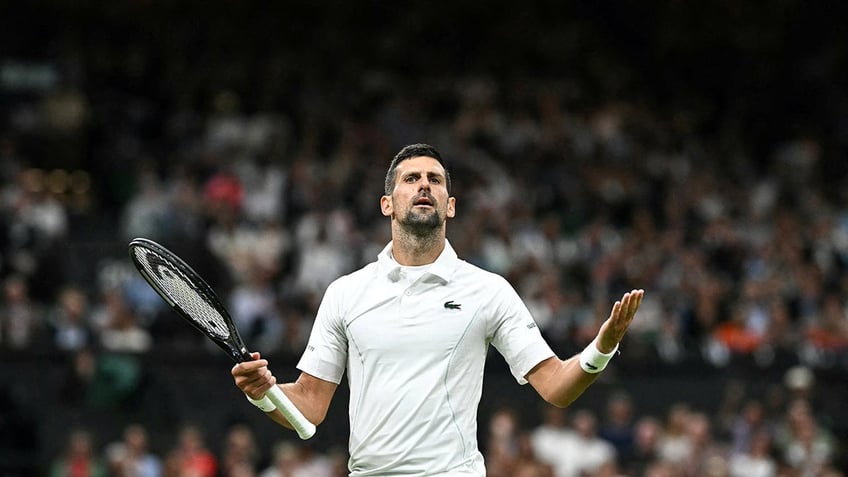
265,404
592,360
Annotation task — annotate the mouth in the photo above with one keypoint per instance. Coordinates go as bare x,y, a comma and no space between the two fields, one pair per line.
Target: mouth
423,201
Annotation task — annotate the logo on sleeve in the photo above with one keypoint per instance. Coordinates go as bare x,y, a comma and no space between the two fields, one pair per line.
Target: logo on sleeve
450,305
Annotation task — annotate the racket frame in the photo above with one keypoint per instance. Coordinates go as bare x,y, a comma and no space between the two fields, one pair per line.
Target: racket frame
233,344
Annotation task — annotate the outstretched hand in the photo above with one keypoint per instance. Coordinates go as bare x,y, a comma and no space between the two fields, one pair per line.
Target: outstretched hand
613,329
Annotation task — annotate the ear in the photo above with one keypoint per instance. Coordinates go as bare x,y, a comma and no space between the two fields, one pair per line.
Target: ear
451,207
386,206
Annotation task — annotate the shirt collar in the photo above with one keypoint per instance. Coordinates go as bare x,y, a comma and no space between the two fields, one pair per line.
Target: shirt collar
443,268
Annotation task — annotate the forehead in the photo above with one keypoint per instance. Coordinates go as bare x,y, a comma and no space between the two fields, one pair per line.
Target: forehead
420,164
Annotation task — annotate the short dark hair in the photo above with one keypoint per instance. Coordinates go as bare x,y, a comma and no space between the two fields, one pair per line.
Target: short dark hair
408,152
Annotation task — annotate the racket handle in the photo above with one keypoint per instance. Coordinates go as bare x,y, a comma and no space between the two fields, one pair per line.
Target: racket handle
301,425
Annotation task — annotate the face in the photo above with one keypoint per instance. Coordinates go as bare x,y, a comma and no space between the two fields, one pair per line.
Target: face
420,201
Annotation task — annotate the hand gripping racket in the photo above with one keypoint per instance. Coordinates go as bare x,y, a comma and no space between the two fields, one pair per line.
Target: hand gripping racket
195,301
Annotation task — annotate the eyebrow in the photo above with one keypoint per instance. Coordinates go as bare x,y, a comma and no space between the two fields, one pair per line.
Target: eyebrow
417,172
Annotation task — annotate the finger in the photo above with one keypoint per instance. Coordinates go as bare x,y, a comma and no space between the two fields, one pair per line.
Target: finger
616,310
639,295
258,387
626,304
635,301
259,379
630,302
248,367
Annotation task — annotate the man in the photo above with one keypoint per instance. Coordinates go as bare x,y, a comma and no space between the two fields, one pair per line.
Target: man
412,330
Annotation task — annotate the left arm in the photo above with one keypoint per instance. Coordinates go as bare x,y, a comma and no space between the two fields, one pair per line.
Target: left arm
560,382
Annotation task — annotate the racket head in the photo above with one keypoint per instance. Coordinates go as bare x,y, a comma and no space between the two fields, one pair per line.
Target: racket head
188,294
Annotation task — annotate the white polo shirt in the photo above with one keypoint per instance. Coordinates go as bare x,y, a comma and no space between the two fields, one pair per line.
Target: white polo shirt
414,354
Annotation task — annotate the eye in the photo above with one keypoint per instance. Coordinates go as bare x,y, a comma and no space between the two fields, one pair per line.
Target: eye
435,178
410,178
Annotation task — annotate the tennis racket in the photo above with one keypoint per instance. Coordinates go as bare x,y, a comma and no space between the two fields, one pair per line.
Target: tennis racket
195,301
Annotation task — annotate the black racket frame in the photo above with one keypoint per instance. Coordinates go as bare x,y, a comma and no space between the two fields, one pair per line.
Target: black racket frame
233,345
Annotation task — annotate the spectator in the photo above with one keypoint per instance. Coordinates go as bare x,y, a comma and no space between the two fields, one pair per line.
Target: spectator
553,438
526,462
828,335
239,453
145,214
78,378
647,434
20,319
502,443
130,456
190,456
79,458
37,225
284,463
121,332
617,428
576,450
592,452
756,459
315,463
291,460
750,421
705,452
69,321
322,257
101,381
253,305
806,447
675,444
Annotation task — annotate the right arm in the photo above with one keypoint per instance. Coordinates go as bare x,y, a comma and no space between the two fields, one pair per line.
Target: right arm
309,394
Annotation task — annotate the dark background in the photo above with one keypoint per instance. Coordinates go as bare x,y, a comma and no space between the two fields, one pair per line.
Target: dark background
739,80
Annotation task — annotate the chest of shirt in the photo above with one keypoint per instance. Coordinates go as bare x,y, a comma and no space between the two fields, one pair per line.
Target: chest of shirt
402,319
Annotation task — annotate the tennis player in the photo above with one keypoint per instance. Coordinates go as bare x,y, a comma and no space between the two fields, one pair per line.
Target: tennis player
412,330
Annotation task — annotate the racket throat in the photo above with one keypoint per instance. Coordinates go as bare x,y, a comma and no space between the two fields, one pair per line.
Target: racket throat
243,355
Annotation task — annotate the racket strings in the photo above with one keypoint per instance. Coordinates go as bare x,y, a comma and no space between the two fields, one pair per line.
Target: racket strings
179,287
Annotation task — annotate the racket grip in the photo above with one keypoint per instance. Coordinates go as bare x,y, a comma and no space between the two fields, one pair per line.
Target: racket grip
301,425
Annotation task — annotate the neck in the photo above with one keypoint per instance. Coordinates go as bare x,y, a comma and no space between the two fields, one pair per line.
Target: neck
414,250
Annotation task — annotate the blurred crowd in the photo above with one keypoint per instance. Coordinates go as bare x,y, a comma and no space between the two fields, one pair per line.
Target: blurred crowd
749,437
264,170
779,436
239,455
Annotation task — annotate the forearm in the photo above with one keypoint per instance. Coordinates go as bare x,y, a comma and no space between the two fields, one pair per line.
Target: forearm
561,382
308,405
311,396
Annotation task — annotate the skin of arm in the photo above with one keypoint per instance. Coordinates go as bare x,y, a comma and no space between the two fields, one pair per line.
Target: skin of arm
309,394
560,382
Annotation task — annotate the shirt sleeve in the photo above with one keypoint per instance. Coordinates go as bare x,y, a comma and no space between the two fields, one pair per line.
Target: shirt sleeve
515,334
325,356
